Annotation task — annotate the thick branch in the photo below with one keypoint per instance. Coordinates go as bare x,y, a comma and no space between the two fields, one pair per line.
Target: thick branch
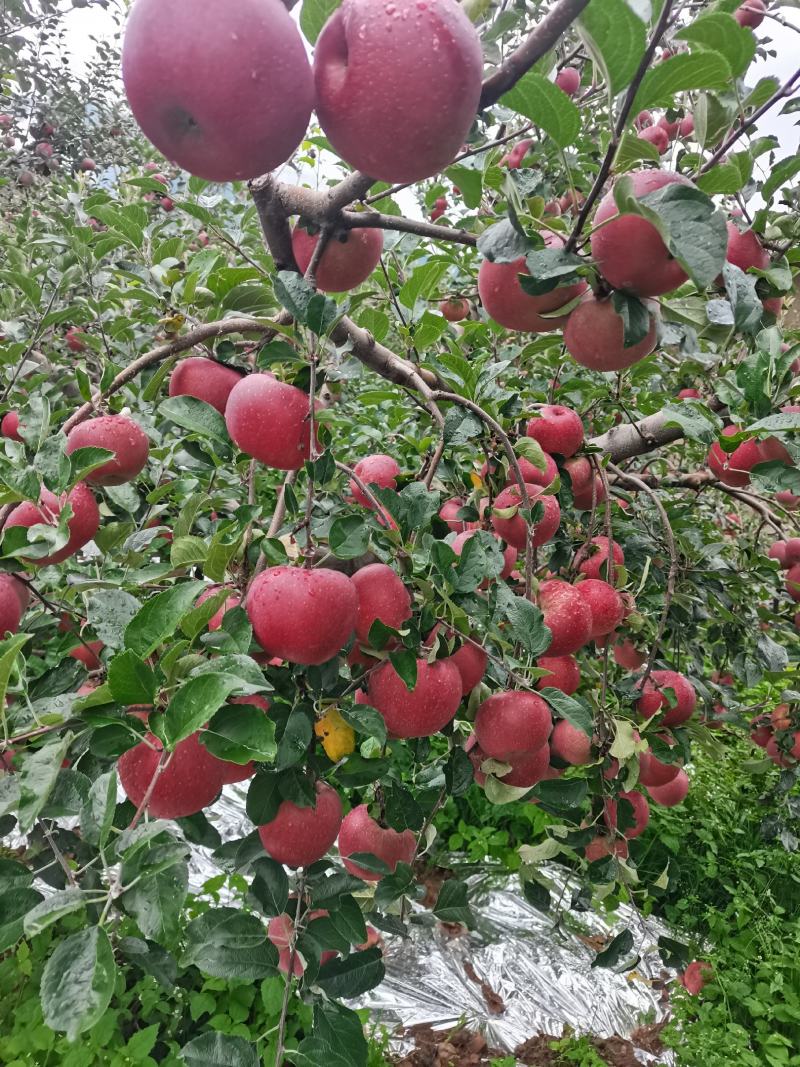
538,43
633,439
180,344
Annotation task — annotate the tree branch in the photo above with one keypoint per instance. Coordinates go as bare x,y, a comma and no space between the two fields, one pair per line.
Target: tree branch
538,43
374,220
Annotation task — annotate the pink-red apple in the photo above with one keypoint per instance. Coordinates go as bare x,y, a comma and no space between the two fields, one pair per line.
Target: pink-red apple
298,837
348,260
205,379
270,421
360,833
595,336
423,710
118,434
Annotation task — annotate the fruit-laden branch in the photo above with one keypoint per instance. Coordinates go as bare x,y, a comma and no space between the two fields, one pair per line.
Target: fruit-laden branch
538,43
186,341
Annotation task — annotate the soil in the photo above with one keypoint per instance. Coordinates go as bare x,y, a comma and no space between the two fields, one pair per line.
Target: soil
460,1047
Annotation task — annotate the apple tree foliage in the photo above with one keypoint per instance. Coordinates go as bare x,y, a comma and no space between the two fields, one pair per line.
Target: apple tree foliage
111,274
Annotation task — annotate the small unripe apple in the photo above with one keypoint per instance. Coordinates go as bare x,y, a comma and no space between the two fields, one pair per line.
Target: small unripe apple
505,301
733,468
82,525
120,435
205,379
512,725
455,308
595,336
566,615
558,429
380,470
73,337
568,80
653,699
605,604
565,674
348,260
641,813
425,709
9,427
657,136
751,13
628,250
189,782
514,530
303,616
671,794
588,489
592,559
570,744
360,833
269,420
248,117
298,837
379,67
380,594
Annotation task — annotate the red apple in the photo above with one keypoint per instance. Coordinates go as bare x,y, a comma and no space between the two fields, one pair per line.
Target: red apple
189,782
14,596
269,420
565,674
512,725
513,160
89,654
653,699
568,80
641,813
423,710
246,118
455,308
652,771
688,394
397,85
605,604
120,435
232,602
698,973
686,127
570,744
205,379
628,656
558,429
303,616
733,468
82,525
349,258
360,833
595,336
751,13
745,250
448,513
298,837
588,489
513,530
73,337
380,594
380,470
657,136
439,208
9,427
671,794
566,615
592,559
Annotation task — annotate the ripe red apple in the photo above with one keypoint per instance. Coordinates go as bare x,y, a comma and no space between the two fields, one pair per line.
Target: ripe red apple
688,394
380,594
778,551
232,602
44,149
298,837
605,604
506,301
670,128
629,250
189,783
653,699
471,661
565,674
532,474
566,615
205,379
448,513
628,656
425,709
303,616
74,340
525,771
269,420
781,756
686,128
361,833
82,525
558,429
513,160
653,771
509,555
671,794
657,136
167,203
751,13
699,973
733,468
643,119
641,813
455,308
745,250
87,164
439,208
514,530
570,744
380,470
244,120
348,260
587,486
511,725
9,427
397,85
120,435
595,336
14,596
592,559
89,654
606,846
793,581
568,79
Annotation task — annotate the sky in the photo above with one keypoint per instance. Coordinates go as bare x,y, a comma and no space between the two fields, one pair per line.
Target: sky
83,23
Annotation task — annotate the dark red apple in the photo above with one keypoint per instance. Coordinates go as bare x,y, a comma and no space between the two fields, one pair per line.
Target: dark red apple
349,258
269,420
425,709
514,530
513,724
82,525
360,833
566,615
298,837
594,336
558,430
380,595
189,782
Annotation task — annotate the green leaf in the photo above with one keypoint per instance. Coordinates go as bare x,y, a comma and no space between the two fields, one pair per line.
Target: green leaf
85,460
296,738
365,720
187,550
632,150
37,778
229,943
615,39
470,181
9,650
14,905
691,226
239,733
537,895
131,680
304,303
728,177
335,1040
545,104
422,283
780,175
52,908
719,32
263,799
451,905
394,885
97,813
214,1049
460,426
78,981
573,710
480,558
405,664
635,317
549,268
458,773
681,74
349,536
352,975
108,612
160,617
696,420
196,416
744,300
774,656
525,620
270,886
156,900
503,243
195,703
619,949
561,794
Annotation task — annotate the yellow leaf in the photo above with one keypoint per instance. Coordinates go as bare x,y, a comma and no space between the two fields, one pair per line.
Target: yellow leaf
338,737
